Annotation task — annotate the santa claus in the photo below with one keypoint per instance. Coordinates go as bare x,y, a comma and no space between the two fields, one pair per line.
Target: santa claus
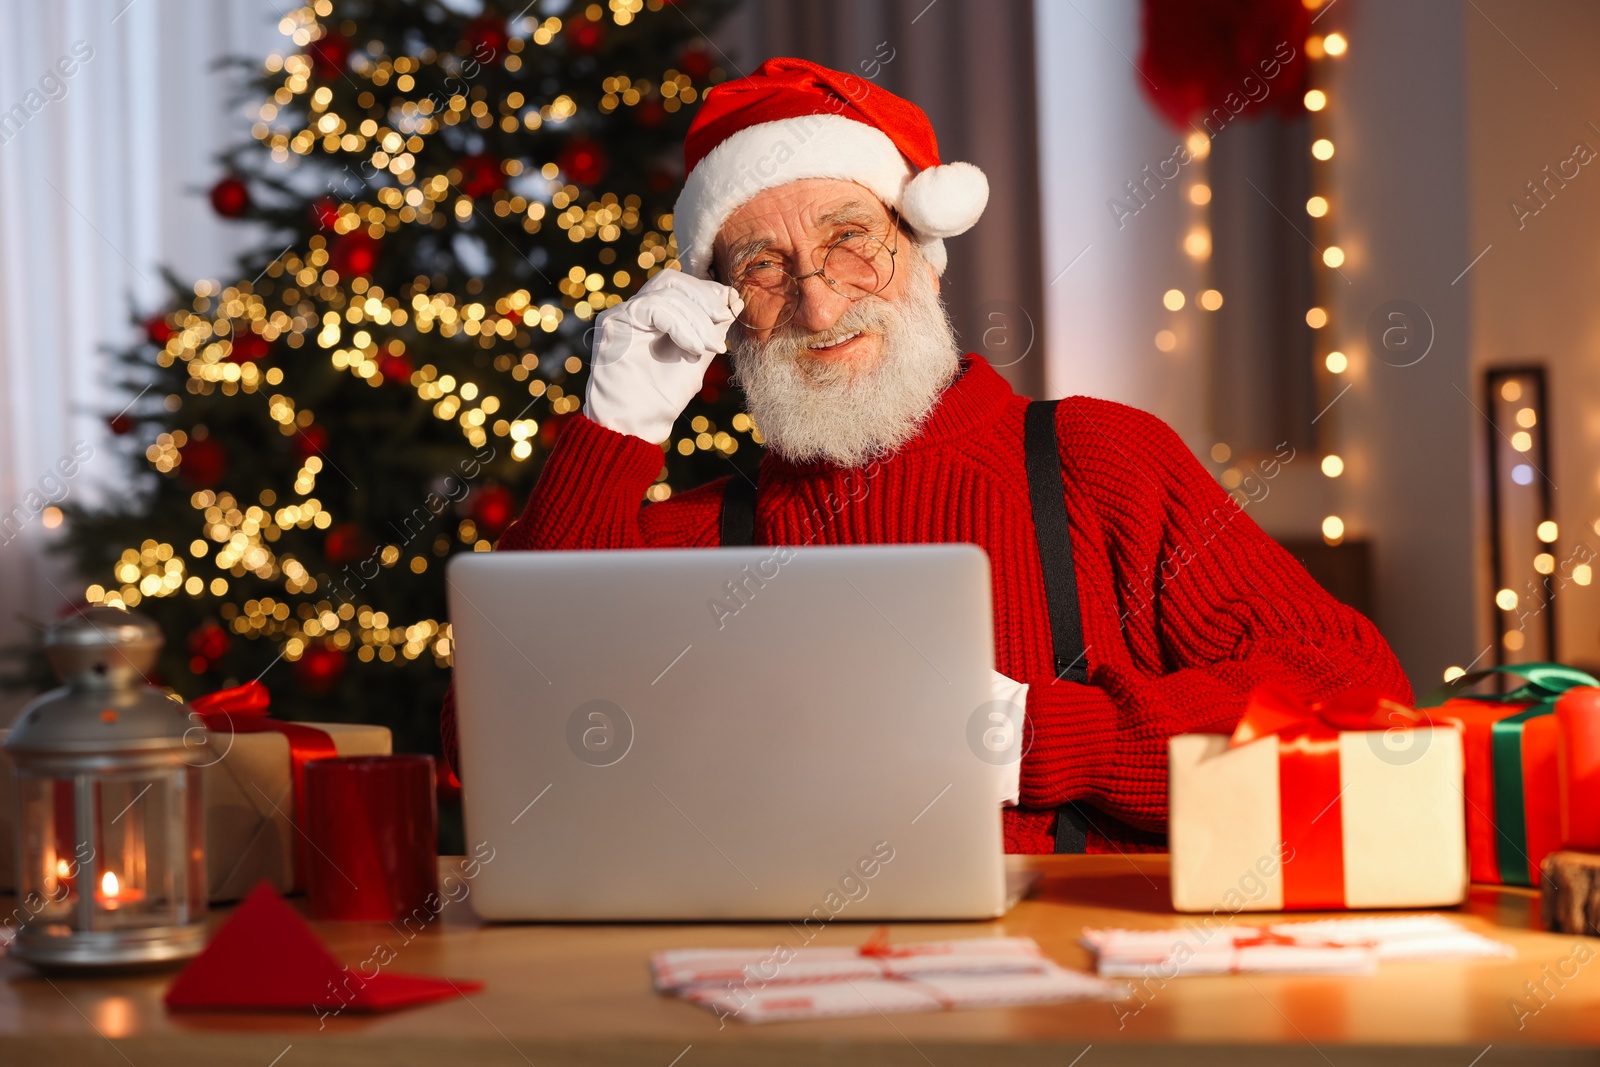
1133,599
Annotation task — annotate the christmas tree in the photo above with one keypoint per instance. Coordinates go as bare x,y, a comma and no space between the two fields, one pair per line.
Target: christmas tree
448,199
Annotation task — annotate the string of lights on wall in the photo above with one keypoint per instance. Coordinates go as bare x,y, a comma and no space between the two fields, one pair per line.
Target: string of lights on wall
1321,52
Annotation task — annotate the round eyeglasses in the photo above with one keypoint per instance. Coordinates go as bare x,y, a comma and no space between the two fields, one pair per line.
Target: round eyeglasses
857,265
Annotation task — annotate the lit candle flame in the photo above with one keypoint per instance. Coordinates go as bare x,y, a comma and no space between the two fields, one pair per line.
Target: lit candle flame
63,869
108,884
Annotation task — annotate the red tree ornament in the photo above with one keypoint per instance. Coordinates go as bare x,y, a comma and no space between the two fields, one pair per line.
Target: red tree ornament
120,424
230,197
249,347
550,429
325,212
650,114
208,642
329,54
582,161
485,37
662,179
310,441
353,254
481,175
585,35
492,508
696,63
1207,63
158,331
204,463
347,543
396,370
319,669
716,380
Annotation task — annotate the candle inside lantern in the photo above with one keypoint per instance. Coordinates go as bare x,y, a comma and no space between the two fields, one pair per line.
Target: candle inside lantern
113,894
64,880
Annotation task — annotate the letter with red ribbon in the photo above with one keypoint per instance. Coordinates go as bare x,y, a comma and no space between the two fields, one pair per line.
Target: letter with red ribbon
1350,803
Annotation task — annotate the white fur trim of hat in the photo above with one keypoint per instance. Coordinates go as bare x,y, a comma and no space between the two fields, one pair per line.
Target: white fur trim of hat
935,203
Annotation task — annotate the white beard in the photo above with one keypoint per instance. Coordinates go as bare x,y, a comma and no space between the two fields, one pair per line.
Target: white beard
809,409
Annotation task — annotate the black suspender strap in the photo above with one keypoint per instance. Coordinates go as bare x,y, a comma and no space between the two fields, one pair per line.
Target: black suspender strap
1049,494
1072,830
1047,489
739,512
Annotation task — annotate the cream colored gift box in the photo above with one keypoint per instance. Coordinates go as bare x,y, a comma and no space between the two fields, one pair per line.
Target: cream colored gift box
249,793
1403,820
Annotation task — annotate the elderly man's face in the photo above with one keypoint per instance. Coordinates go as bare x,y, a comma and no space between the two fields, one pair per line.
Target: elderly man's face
796,224
842,380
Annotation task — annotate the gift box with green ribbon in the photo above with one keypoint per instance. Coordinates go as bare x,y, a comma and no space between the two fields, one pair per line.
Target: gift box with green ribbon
1512,747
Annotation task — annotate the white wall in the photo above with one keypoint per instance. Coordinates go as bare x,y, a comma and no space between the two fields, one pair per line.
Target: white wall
1096,133
1400,208
1536,294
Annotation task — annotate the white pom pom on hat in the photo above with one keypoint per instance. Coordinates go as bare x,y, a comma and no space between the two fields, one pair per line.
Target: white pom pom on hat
945,200
793,119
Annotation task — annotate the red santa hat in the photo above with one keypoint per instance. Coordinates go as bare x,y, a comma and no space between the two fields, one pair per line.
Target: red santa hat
793,119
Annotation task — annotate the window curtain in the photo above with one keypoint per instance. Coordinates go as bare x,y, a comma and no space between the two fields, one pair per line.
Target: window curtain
110,115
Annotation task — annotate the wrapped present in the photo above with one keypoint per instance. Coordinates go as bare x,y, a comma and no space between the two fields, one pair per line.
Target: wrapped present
1352,803
254,787
1512,748
1578,768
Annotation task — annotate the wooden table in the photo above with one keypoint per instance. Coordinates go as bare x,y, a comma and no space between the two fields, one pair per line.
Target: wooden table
559,995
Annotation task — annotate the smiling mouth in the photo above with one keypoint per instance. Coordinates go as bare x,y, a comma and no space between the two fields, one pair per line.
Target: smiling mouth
838,342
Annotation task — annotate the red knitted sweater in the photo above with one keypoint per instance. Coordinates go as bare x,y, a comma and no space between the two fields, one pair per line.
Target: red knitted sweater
1186,603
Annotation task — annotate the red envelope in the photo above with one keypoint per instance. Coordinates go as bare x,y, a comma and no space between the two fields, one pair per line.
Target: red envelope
267,957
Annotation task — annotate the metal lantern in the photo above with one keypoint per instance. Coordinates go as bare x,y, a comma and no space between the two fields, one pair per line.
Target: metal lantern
110,827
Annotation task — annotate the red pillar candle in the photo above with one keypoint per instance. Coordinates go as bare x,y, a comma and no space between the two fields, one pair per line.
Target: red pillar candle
1578,712
373,827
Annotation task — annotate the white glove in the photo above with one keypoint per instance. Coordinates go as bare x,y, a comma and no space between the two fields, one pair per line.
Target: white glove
652,350
1012,692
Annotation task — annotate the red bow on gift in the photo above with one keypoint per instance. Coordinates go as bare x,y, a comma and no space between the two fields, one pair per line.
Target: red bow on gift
243,710
1309,779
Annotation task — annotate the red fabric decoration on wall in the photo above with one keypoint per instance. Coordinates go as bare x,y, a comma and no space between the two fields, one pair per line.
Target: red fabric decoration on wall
1207,62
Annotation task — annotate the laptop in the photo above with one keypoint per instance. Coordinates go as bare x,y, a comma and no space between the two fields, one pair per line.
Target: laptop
736,734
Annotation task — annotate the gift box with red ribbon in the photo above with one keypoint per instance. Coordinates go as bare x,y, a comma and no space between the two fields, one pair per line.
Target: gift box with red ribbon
1513,745
1578,770
1351,803
254,786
